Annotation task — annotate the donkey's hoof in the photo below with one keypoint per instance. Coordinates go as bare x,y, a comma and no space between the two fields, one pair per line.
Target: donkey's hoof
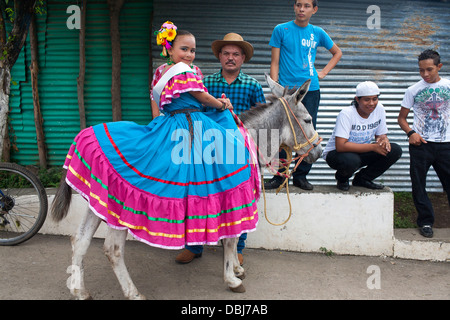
81,294
241,275
238,289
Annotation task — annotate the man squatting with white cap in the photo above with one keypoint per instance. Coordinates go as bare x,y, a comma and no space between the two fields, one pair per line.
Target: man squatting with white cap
352,145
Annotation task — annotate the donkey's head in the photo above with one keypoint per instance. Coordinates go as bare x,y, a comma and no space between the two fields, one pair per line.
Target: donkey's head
297,130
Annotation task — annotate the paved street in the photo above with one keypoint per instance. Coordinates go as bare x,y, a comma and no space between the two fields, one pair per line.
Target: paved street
37,270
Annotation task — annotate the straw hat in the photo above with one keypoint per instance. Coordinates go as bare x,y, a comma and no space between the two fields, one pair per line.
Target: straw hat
236,39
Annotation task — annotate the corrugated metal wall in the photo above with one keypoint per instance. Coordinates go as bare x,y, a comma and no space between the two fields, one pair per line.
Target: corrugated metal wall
59,68
387,56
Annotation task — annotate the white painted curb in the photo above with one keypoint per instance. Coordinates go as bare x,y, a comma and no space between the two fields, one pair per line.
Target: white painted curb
357,222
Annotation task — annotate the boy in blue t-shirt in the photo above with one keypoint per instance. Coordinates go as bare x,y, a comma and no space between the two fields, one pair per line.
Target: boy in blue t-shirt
294,46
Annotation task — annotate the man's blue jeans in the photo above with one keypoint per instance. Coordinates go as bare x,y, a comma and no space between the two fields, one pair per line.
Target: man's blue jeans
240,245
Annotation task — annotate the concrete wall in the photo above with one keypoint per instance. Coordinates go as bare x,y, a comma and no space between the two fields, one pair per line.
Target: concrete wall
357,222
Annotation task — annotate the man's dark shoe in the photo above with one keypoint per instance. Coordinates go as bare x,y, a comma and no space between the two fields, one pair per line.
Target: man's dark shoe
302,183
426,231
343,185
273,183
367,184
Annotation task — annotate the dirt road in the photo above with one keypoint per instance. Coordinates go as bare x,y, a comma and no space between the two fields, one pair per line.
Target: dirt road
37,270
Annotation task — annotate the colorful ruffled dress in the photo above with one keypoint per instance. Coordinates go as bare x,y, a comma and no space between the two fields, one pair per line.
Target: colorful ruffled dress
185,178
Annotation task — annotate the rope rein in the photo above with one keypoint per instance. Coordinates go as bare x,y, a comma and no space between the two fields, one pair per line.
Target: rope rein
285,163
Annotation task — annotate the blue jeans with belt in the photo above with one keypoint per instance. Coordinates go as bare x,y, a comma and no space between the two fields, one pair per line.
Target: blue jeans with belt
421,158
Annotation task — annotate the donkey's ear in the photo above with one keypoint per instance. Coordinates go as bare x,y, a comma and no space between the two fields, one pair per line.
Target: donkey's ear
276,88
301,92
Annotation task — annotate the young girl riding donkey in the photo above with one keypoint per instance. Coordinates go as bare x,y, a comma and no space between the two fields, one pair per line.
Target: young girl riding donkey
187,177
170,183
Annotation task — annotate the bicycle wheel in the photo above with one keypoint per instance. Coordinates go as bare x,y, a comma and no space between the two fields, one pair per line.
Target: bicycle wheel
23,204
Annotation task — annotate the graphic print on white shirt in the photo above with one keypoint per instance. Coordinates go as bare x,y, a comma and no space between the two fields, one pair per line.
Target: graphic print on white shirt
351,126
431,105
432,109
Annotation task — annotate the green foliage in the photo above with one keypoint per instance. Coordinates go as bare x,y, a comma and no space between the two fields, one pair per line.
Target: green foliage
10,14
11,180
404,210
51,177
403,222
326,252
40,7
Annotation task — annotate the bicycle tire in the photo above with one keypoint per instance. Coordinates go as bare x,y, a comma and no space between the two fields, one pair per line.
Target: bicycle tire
27,211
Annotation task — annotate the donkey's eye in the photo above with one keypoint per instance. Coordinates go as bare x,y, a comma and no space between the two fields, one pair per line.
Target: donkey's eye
308,120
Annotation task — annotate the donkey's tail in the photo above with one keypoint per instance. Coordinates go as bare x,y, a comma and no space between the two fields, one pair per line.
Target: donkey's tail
61,202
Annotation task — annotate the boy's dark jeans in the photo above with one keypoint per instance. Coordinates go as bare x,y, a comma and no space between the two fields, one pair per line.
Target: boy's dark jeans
421,158
347,163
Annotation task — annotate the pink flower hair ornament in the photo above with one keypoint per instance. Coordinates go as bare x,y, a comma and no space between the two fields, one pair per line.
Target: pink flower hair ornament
165,37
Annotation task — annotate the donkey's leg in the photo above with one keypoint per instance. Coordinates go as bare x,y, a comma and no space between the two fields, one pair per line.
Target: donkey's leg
114,249
80,245
232,267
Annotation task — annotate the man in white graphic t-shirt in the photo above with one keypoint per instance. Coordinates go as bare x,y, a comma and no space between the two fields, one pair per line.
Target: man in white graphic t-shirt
429,137
359,140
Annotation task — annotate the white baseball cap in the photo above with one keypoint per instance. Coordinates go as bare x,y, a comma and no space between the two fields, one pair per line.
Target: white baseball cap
367,88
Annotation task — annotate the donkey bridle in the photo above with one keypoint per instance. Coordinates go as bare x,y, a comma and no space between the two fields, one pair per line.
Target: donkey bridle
297,146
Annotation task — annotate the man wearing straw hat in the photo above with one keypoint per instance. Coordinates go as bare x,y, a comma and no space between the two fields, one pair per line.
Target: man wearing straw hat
243,91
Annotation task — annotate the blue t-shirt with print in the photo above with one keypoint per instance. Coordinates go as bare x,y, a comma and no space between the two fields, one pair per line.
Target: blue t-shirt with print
298,47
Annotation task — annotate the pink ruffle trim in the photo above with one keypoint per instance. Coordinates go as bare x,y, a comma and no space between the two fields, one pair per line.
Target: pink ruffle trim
181,83
158,221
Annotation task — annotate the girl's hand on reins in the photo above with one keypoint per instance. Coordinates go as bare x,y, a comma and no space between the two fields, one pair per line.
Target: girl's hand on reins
226,102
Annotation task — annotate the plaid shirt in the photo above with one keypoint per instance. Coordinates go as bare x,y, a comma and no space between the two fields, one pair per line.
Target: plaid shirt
244,92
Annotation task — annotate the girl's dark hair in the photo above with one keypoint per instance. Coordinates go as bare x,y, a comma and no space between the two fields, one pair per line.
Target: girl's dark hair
182,33
430,54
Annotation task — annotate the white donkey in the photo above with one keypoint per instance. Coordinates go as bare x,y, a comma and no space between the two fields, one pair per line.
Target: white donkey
296,129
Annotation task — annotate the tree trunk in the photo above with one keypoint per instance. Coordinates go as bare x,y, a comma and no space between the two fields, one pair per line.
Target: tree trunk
150,56
24,10
5,81
38,120
82,73
114,12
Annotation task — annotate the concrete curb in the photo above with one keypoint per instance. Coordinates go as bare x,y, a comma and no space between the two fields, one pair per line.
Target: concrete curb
357,223
409,244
